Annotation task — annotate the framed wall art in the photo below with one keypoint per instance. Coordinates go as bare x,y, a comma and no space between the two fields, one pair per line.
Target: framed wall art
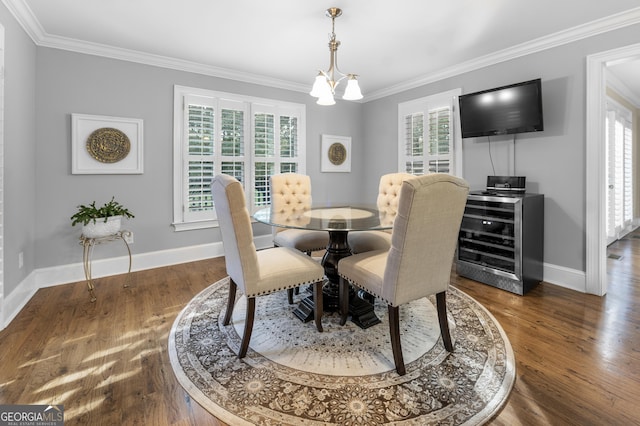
336,154
106,145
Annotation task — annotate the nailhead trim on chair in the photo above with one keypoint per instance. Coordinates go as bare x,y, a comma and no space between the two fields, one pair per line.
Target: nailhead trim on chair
367,290
283,288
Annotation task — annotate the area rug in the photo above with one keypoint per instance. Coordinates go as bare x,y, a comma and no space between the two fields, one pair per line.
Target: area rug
294,375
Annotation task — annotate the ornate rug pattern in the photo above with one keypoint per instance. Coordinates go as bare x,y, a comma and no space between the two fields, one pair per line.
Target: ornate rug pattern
293,375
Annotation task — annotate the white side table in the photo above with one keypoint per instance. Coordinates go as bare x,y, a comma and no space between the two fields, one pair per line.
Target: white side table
89,243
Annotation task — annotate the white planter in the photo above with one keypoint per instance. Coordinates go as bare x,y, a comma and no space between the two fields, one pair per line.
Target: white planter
100,228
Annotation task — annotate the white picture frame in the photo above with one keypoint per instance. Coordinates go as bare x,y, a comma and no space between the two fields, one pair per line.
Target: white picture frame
82,161
335,154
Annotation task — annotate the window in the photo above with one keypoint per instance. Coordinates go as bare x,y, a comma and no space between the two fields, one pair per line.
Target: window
248,138
428,135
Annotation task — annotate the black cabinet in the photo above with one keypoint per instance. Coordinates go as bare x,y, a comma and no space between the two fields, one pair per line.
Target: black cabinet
501,240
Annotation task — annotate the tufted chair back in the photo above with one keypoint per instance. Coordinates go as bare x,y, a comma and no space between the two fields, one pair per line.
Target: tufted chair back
388,194
387,202
424,238
290,193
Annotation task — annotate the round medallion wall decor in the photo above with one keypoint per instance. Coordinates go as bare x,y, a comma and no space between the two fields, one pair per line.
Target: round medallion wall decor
108,145
337,153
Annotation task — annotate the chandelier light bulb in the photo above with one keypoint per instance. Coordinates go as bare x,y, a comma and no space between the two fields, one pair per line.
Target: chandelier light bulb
326,99
352,92
319,86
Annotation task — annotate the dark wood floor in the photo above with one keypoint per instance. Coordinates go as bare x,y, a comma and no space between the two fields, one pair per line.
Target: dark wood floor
578,356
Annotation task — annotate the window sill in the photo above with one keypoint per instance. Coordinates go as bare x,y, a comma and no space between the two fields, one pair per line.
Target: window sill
190,226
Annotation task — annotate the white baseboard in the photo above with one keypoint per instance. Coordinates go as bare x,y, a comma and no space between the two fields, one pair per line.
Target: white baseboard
565,277
18,298
47,277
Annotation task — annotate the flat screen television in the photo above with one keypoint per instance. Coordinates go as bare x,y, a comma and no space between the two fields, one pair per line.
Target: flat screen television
516,108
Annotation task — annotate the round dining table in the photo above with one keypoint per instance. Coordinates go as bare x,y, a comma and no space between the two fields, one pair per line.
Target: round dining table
338,221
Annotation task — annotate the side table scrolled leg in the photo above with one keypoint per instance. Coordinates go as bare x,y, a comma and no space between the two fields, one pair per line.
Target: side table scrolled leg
124,236
86,257
88,244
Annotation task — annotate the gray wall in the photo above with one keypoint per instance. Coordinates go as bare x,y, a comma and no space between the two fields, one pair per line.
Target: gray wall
76,83
19,152
553,161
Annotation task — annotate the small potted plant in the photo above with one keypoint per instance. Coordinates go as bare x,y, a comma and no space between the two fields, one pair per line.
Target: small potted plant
100,221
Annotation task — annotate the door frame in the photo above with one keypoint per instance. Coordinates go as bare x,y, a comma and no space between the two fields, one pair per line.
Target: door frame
596,227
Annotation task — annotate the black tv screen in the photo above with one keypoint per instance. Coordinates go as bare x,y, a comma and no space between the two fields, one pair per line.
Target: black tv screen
516,108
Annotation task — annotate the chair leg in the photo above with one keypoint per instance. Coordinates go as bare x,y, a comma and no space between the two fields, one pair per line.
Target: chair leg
248,326
441,302
231,300
290,295
317,304
394,330
343,298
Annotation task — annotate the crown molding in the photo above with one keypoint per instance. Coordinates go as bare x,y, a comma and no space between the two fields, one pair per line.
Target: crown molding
23,14
96,49
25,17
560,38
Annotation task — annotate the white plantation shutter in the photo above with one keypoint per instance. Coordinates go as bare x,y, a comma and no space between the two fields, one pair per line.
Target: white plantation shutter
414,143
232,139
248,138
198,167
628,173
427,134
276,148
289,142
215,132
619,138
439,152
264,155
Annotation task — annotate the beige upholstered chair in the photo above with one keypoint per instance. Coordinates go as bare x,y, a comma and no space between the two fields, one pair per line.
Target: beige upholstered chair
291,193
387,202
257,272
423,243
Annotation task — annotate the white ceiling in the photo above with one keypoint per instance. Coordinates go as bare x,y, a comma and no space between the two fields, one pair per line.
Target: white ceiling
392,46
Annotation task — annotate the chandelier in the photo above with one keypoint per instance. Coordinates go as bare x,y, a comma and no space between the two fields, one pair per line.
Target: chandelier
325,85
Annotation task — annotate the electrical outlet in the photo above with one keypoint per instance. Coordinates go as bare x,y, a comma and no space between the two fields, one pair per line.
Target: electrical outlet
20,260
128,237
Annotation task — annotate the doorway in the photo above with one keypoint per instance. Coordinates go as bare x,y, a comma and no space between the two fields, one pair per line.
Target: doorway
596,179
